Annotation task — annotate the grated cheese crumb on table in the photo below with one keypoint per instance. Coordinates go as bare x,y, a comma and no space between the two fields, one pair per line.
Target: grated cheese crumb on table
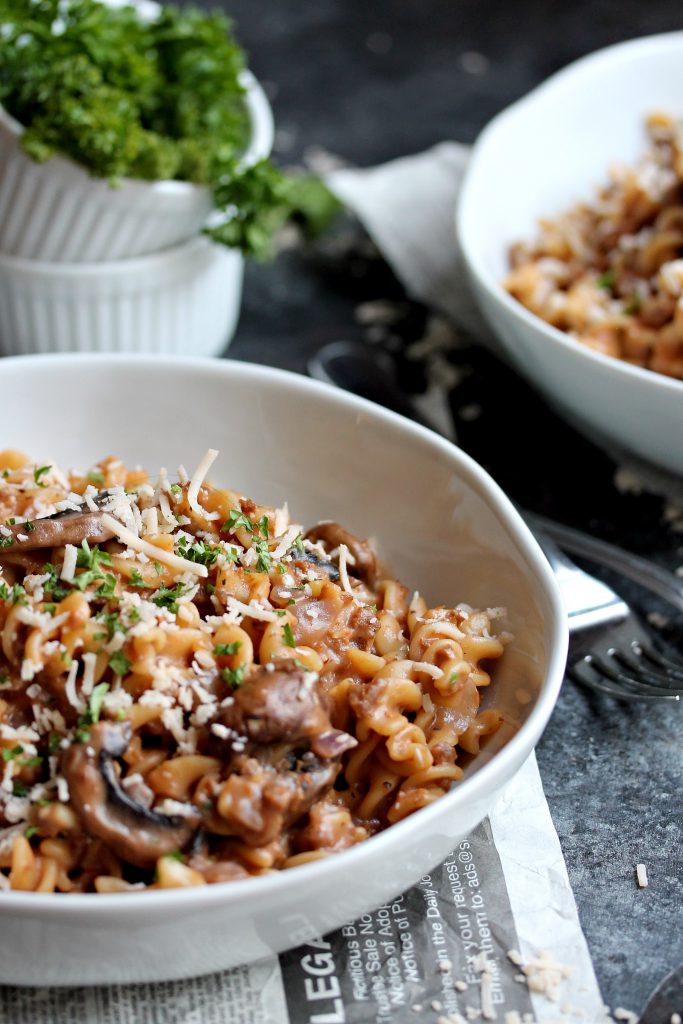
641,874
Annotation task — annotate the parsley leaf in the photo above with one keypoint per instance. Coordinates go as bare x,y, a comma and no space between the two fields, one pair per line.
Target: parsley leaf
40,472
9,754
167,597
235,520
119,664
264,561
198,551
234,676
288,636
222,650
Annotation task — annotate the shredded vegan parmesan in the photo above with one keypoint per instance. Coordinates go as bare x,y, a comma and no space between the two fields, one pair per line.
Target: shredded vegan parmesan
252,611
286,542
487,1011
70,687
174,562
344,556
88,681
69,565
641,874
197,481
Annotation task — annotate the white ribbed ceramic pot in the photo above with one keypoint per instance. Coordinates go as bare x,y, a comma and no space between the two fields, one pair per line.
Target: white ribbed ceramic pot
56,211
185,300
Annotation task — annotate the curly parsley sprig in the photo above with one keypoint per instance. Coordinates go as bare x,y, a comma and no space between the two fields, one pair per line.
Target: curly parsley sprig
151,100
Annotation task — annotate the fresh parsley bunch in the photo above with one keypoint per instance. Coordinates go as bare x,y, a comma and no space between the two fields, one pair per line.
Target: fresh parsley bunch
148,99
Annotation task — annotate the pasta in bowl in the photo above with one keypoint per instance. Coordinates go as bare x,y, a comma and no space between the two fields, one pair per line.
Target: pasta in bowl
593,276
195,689
437,522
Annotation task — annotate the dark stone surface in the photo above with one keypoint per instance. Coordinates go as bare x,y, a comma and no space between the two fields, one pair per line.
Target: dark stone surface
371,81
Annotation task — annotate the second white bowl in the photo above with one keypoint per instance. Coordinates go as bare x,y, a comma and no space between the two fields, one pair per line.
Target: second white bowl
56,211
536,159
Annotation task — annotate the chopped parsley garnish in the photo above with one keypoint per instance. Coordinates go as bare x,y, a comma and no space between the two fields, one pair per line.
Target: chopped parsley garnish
234,676
5,680
39,472
94,476
299,544
235,520
29,527
264,561
19,789
264,526
9,755
167,597
223,650
176,489
92,715
31,831
18,594
633,305
50,608
136,579
288,636
112,622
158,567
176,855
606,280
198,551
119,664
54,587
31,762
96,697
53,743
454,676
6,542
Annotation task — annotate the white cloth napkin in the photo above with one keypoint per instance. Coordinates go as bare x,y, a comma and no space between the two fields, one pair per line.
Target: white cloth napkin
408,207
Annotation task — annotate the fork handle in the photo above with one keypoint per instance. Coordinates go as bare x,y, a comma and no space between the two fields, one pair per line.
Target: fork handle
588,601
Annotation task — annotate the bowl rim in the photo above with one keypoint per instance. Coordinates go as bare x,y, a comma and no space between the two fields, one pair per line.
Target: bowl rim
108,269
497,768
259,148
493,288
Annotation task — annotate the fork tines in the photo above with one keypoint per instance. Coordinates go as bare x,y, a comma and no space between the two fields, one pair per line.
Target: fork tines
639,672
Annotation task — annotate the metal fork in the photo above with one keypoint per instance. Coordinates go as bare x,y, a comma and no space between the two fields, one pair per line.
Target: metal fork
635,670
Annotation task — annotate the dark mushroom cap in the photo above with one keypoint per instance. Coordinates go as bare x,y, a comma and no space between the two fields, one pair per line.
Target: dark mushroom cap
135,833
284,705
331,535
62,528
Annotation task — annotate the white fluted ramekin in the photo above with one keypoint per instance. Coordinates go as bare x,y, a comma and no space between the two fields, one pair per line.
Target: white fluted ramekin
56,211
185,300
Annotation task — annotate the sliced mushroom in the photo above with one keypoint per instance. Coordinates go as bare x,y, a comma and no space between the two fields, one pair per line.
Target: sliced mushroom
310,558
331,535
292,757
53,531
135,833
284,705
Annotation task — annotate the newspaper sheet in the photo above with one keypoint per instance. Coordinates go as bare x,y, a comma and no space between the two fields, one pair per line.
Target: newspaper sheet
439,952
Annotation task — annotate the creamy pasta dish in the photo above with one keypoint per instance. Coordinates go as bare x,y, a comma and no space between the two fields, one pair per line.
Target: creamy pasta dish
610,272
195,689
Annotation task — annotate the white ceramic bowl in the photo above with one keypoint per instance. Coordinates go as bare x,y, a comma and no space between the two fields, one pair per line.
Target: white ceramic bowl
535,159
442,525
184,300
56,211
